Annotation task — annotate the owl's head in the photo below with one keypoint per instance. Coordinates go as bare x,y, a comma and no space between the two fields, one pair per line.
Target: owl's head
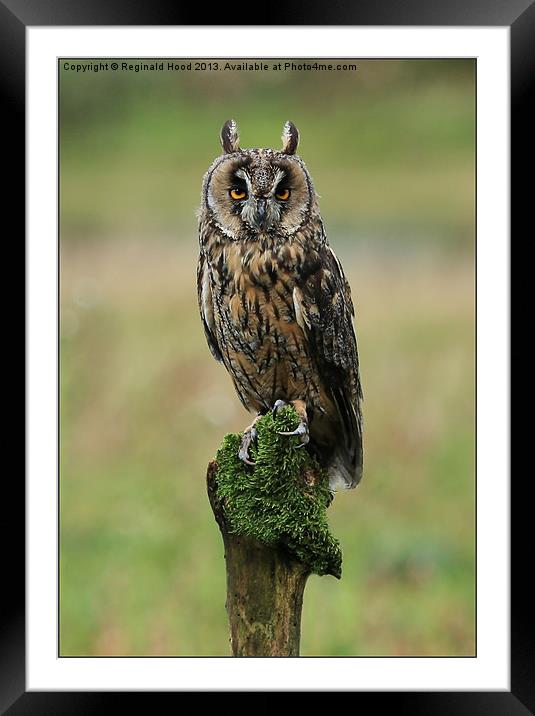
258,191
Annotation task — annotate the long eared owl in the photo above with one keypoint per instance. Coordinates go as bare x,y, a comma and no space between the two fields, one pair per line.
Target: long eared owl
274,302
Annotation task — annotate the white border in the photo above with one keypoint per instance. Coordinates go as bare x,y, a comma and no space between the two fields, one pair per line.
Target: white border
490,670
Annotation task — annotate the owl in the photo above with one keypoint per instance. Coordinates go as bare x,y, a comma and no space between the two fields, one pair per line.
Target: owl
274,301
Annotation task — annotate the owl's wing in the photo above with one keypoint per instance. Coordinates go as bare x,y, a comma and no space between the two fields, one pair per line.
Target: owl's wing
206,306
325,312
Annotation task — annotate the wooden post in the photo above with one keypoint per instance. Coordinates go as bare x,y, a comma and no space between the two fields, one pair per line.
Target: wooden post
272,516
265,588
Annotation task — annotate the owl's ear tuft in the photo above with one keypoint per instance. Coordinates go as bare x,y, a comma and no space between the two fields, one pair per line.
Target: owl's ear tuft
290,138
230,140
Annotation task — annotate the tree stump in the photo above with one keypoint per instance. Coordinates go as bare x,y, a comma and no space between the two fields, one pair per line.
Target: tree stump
275,534
265,588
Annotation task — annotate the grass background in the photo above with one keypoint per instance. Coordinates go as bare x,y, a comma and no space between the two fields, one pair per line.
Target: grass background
143,406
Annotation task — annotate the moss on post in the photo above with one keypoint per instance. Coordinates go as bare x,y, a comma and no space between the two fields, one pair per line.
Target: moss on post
273,520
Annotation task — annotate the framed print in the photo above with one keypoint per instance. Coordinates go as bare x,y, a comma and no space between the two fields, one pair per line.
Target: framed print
406,139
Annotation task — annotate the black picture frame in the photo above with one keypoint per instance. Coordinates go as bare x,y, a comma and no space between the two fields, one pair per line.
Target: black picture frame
519,16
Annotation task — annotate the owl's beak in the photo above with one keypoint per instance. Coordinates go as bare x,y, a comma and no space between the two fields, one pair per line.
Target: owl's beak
261,213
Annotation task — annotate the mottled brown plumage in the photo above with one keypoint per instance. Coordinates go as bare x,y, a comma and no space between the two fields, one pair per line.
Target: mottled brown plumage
274,302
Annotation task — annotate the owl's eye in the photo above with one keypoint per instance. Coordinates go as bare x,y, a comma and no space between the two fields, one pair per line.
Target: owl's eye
283,194
238,194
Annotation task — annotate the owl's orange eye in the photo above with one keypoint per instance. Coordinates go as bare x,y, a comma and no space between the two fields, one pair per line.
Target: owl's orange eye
238,194
283,194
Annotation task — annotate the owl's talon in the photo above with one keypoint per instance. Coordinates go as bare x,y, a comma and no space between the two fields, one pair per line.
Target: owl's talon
246,460
277,406
301,432
249,436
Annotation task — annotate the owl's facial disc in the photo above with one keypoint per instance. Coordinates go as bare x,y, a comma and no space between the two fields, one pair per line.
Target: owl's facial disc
264,196
258,191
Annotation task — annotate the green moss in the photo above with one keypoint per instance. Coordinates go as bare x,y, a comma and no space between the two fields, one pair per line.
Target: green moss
282,499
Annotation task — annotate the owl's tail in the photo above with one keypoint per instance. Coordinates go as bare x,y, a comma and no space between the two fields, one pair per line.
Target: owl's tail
338,443
344,472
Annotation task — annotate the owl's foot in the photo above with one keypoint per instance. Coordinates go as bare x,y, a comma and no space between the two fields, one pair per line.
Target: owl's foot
250,434
301,430
278,405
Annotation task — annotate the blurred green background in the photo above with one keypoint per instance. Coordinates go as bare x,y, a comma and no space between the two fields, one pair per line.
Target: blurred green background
143,406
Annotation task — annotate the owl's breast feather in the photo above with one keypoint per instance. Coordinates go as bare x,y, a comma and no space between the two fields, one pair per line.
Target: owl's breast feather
262,325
